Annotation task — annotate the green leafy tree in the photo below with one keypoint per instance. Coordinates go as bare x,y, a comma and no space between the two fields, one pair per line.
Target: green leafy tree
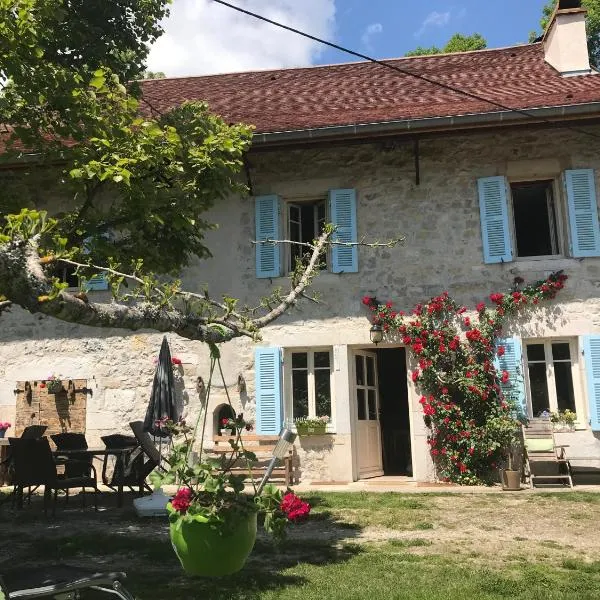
593,25
457,43
96,179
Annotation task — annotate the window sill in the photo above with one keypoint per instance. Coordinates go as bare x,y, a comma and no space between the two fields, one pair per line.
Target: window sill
553,263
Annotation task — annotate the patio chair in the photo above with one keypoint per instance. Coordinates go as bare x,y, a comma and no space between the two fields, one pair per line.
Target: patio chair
544,460
149,449
125,467
34,466
62,582
33,432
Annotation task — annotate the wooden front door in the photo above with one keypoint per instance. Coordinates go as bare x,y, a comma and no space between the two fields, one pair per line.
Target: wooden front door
368,430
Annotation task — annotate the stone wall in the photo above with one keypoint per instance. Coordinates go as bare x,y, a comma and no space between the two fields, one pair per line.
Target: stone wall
443,250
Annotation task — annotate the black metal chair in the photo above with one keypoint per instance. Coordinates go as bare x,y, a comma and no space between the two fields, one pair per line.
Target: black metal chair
35,466
33,432
62,581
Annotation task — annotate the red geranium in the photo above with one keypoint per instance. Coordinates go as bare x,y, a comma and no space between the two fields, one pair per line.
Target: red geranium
175,361
182,500
294,508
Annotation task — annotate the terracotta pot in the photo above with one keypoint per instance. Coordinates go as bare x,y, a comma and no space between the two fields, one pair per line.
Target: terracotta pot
214,550
511,480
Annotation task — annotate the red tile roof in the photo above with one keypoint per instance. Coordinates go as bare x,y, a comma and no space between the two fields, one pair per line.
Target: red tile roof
364,92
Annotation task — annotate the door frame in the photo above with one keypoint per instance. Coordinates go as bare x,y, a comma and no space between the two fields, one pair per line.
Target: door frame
354,408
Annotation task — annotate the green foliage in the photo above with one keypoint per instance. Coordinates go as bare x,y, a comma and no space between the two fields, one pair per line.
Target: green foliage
457,43
593,25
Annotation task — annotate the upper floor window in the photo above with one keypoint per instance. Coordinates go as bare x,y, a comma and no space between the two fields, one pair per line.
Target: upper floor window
305,224
535,218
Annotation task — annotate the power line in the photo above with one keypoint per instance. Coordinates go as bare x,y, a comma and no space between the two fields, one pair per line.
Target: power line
400,70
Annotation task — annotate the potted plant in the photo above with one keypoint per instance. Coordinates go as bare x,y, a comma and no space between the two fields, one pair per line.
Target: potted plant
3,428
53,383
563,421
213,522
307,426
227,426
506,431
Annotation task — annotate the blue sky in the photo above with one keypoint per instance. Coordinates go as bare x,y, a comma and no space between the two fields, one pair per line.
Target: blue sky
202,37
389,28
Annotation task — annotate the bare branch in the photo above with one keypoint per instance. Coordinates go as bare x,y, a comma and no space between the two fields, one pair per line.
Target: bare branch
362,242
5,305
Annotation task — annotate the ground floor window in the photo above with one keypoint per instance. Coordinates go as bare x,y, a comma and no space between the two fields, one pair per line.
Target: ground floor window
552,379
309,381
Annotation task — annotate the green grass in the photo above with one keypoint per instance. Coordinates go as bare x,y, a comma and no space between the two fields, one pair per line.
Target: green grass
355,546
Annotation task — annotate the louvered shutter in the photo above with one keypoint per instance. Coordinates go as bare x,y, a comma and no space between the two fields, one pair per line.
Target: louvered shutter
511,362
267,228
267,371
342,209
583,212
591,352
493,209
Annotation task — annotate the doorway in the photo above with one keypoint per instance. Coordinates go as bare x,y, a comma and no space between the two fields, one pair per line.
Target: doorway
394,415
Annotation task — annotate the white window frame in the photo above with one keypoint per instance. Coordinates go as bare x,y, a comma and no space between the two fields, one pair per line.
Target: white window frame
288,404
576,375
288,204
560,209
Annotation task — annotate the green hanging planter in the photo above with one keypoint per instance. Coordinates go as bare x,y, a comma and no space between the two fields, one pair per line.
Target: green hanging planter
214,549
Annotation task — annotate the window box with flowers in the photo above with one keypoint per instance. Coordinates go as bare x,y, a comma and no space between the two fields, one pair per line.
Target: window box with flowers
305,426
563,421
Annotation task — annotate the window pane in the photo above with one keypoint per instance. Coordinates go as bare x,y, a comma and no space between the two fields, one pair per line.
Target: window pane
308,222
372,405
360,371
561,351
539,388
535,352
323,393
300,393
299,360
360,399
535,223
370,371
563,379
295,213
321,359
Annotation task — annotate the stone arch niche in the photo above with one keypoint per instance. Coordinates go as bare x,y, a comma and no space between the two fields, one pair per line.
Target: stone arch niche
61,412
223,411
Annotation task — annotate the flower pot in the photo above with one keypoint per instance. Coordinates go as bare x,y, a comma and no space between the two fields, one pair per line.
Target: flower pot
226,432
2,432
214,549
511,480
311,429
54,386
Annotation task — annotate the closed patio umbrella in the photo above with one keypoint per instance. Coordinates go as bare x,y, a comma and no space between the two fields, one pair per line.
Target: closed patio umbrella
162,397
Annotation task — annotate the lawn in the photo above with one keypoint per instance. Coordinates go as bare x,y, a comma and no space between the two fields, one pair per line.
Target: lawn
361,545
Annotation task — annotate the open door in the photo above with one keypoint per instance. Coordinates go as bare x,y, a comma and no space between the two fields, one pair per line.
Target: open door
368,431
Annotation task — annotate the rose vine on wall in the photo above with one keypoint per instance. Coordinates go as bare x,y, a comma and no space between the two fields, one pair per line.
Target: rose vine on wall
465,399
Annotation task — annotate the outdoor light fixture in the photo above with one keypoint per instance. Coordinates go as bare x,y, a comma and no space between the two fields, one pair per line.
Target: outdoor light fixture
285,442
376,333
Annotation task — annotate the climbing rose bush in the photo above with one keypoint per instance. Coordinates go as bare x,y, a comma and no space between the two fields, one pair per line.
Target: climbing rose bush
462,390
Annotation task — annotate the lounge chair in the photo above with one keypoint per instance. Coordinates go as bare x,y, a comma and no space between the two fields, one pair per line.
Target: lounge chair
63,582
34,466
545,462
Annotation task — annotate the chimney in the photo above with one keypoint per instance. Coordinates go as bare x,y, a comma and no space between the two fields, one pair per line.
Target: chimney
565,40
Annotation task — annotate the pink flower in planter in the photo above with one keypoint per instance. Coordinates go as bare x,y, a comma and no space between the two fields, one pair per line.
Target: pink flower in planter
4,426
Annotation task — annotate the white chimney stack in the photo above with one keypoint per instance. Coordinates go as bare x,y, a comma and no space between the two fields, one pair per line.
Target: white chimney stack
565,40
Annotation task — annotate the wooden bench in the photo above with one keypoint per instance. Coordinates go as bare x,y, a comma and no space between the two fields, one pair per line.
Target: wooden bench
262,446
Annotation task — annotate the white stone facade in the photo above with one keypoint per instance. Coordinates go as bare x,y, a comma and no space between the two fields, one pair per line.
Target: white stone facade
443,251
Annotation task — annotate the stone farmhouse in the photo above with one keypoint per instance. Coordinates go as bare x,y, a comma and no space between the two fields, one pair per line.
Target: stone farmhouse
487,162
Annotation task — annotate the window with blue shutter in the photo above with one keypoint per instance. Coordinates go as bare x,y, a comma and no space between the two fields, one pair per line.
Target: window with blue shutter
267,371
267,228
511,362
96,283
342,209
583,212
591,353
493,209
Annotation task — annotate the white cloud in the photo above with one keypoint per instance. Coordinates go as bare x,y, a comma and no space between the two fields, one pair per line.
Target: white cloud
203,37
434,19
369,32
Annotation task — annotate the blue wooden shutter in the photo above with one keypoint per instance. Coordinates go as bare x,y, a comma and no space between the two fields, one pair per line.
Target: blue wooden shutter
493,210
267,372
583,212
511,362
267,228
342,209
96,283
591,353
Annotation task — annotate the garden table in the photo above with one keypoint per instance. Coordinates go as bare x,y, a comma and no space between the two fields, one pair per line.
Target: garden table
98,453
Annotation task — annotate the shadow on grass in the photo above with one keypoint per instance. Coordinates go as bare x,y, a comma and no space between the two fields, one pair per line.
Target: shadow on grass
116,540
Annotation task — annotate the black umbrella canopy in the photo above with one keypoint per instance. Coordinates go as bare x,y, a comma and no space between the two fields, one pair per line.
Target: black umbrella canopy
162,397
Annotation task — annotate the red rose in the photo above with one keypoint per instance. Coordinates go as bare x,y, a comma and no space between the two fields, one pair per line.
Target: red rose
445,391
497,298
175,361
481,306
367,300
467,322
224,421
415,376
500,351
505,376
182,500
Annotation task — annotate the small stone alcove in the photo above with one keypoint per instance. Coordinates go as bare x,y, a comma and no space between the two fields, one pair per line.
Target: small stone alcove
223,411
62,412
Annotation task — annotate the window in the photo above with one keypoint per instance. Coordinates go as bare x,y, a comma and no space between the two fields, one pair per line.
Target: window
551,376
535,219
305,223
310,383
